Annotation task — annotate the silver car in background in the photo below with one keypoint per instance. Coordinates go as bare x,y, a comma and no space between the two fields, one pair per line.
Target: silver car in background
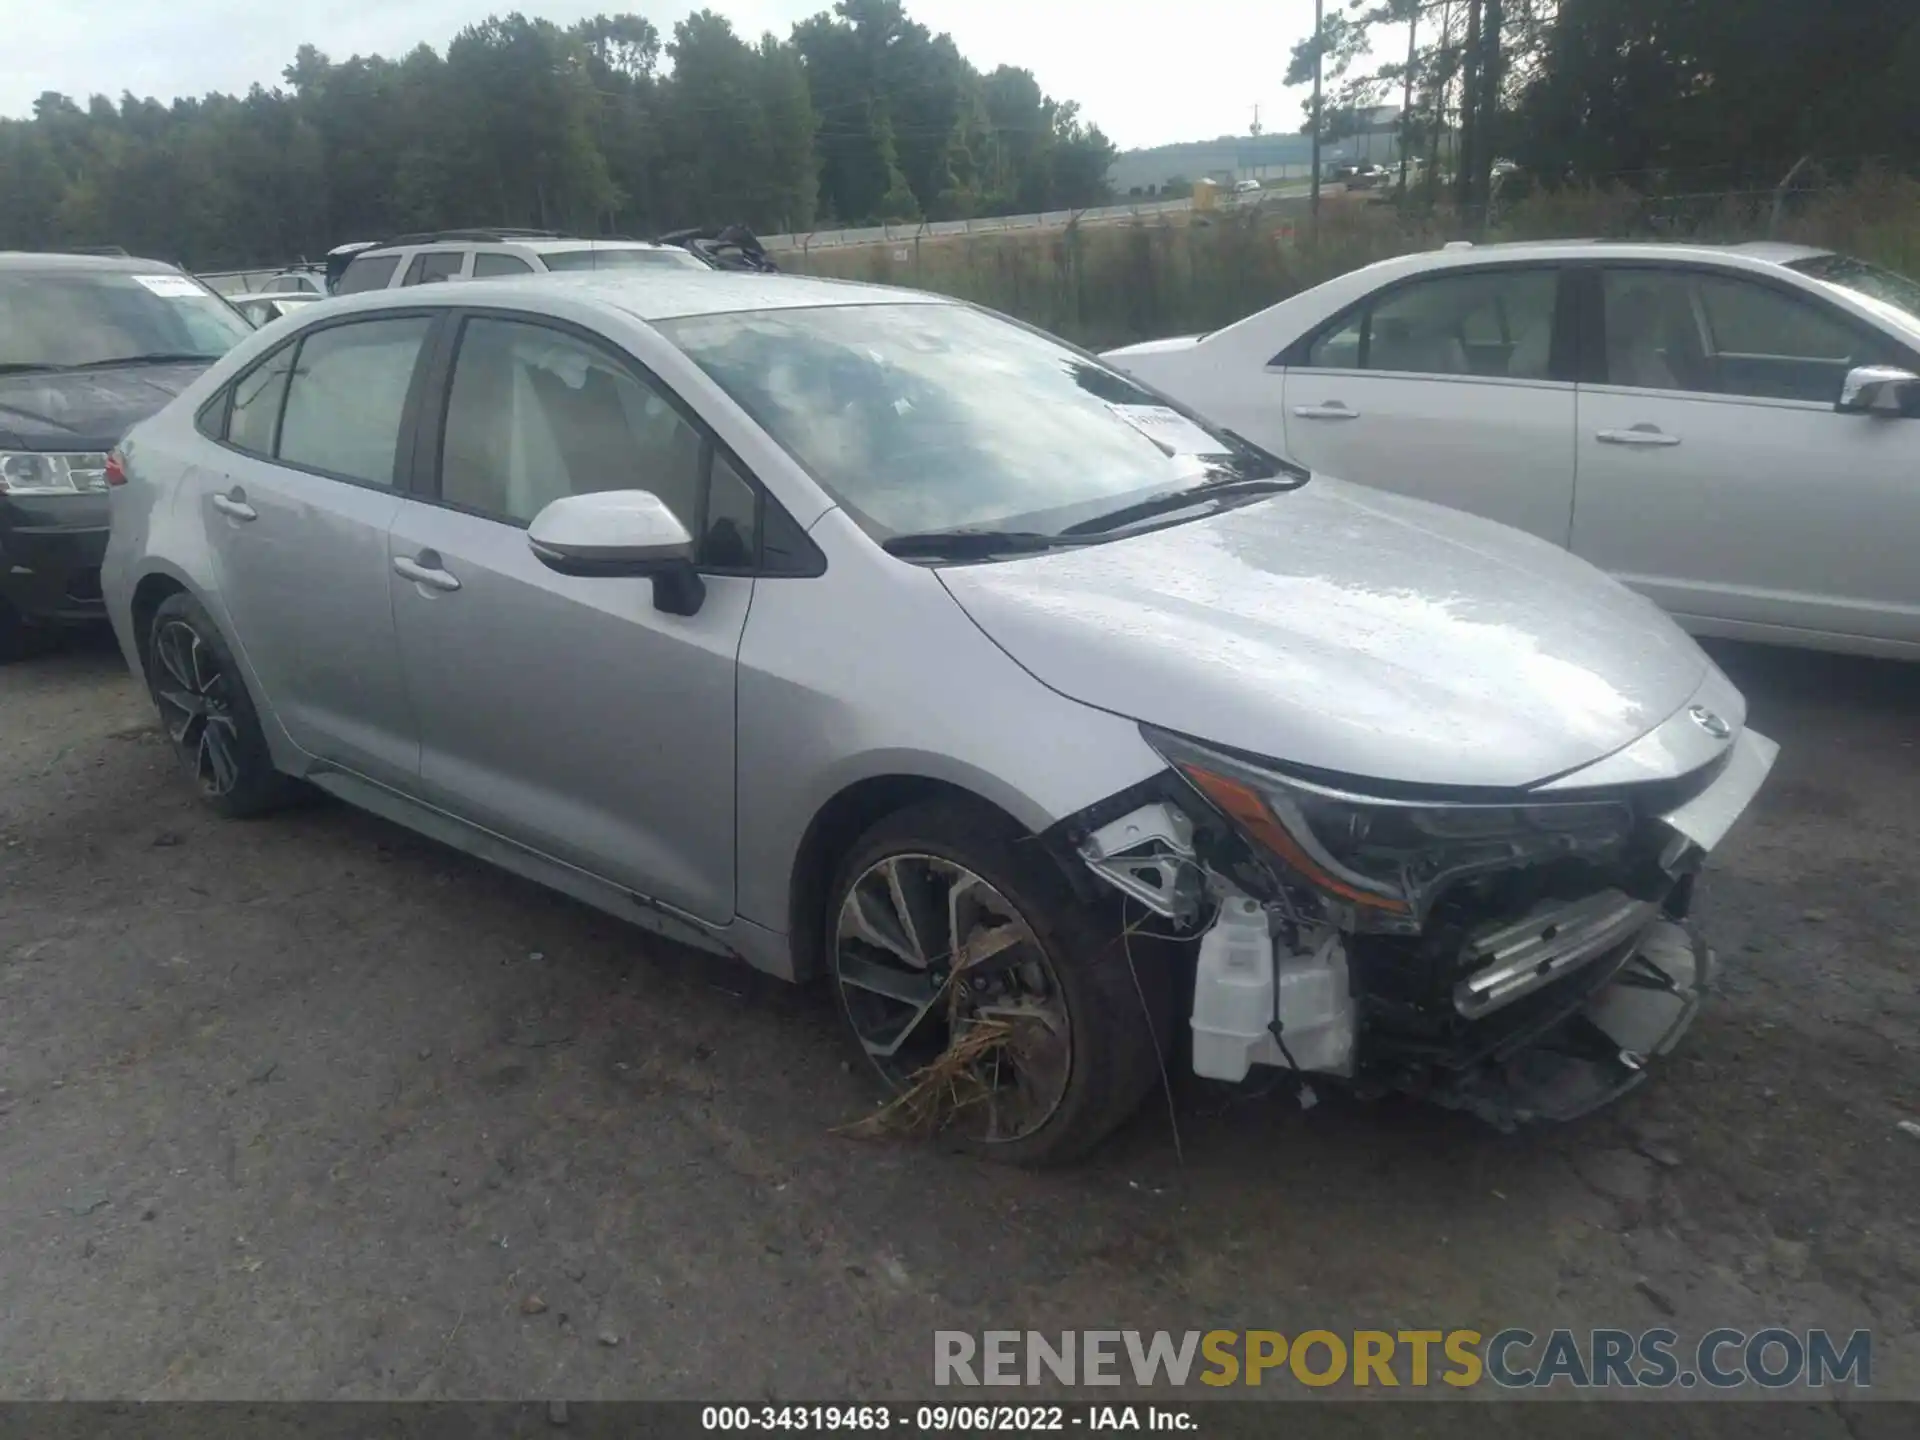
860,633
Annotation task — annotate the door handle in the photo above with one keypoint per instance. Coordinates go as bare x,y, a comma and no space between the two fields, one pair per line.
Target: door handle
425,569
1332,410
234,505
1642,434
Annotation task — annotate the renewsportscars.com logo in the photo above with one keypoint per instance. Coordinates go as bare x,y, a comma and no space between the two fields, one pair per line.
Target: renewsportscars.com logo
1513,1359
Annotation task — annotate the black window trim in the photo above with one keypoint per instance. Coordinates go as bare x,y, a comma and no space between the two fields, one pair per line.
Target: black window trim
1563,346
435,315
1593,321
435,393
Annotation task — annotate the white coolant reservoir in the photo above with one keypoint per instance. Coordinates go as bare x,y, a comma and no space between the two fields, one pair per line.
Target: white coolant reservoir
1315,1007
1233,991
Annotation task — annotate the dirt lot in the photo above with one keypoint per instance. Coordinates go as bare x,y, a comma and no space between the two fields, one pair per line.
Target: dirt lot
310,1108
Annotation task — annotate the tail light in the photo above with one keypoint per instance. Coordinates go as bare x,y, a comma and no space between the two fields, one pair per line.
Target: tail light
116,470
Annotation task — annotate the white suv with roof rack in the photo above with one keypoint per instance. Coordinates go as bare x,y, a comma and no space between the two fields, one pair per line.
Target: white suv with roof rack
494,254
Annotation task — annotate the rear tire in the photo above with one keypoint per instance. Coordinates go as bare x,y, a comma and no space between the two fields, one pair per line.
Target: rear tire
1082,1014
205,709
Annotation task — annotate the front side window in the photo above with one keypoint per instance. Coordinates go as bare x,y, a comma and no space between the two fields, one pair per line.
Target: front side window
1724,335
431,265
536,414
255,415
345,399
1495,324
62,319
367,272
920,417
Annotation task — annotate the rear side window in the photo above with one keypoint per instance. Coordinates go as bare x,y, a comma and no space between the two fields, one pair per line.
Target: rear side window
489,264
256,403
431,265
368,272
1496,324
348,390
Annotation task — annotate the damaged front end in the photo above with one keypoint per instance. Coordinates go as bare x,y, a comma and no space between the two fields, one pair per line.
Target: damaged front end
1523,956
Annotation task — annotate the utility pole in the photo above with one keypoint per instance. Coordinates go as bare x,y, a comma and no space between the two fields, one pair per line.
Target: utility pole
1314,204
1255,131
1406,95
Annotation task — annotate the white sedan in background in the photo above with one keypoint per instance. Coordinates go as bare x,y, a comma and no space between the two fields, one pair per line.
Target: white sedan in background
1732,431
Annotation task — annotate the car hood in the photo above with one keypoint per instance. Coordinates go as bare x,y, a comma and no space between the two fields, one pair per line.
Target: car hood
88,409
1351,631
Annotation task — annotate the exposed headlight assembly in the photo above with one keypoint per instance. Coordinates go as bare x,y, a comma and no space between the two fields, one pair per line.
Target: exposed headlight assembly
1377,864
35,472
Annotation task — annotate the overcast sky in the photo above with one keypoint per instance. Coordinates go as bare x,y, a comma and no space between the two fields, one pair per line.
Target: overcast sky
1145,71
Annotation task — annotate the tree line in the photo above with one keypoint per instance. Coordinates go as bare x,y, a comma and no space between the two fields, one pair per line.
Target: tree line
605,127
1659,95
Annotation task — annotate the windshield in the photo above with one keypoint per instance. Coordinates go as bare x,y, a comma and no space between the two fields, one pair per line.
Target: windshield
1887,286
51,319
611,257
919,417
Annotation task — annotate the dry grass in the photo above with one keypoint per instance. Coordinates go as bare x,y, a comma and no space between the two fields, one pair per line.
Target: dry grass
940,1091
1109,284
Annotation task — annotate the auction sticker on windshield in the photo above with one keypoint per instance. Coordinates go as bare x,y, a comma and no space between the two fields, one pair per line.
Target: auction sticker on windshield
173,287
1170,430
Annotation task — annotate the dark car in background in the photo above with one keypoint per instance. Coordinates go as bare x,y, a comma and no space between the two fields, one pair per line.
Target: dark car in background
89,346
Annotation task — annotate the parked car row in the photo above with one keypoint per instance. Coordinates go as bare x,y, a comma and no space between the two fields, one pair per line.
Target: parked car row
1061,726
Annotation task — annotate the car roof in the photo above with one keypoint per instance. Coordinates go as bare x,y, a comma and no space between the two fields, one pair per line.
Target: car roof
539,244
48,260
1770,252
651,294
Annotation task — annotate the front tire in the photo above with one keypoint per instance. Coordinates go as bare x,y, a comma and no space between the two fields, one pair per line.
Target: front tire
944,919
208,715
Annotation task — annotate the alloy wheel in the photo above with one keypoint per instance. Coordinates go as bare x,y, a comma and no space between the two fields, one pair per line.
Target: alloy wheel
196,706
930,957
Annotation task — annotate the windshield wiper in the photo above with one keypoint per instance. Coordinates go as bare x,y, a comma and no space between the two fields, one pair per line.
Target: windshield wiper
1225,488
154,358
969,544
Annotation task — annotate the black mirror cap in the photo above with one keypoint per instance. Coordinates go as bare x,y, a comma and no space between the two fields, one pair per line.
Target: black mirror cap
678,588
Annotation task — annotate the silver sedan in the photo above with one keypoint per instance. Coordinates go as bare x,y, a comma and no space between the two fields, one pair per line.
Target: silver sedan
860,633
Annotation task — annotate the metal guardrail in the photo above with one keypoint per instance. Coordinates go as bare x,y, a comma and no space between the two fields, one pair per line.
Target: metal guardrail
235,282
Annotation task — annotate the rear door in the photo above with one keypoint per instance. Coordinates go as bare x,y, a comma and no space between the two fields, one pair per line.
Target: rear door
298,523
566,712
1715,474
1454,387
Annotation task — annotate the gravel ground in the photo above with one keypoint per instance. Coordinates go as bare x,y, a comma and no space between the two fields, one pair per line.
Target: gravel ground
308,1107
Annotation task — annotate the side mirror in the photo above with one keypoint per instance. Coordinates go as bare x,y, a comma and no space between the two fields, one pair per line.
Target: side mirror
1880,390
621,532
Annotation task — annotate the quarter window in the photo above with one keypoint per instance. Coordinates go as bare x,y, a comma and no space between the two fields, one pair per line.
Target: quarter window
368,272
256,403
348,390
